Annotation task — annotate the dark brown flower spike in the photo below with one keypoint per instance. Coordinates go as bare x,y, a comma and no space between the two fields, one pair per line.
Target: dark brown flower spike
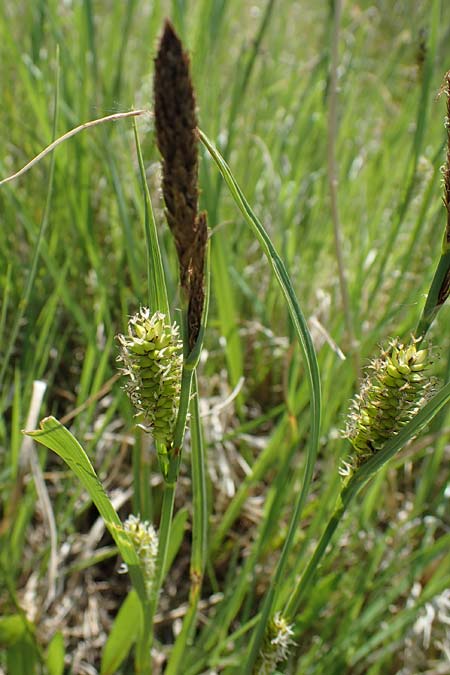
197,287
176,123
176,137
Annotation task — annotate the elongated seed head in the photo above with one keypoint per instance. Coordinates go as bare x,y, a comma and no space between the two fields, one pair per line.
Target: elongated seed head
396,385
151,354
176,124
176,136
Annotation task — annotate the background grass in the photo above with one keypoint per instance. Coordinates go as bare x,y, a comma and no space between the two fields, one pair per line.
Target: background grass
73,267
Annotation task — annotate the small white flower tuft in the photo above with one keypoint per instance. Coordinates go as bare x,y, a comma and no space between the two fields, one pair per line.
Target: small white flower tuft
145,540
276,647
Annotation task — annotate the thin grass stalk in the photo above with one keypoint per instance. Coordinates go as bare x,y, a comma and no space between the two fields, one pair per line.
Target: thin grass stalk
293,604
69,134
410,174
259,468
440,285
430,468
398,285
164,531
40,238
174,459
242,82
333,180
199,533
301,328
276,581
241,589
141,481
156,285
312,370
227,306
137,486
5,301
170,480
143,654
438,293
170,474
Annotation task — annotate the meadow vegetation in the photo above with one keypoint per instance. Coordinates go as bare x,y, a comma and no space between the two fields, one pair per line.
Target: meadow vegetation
321,147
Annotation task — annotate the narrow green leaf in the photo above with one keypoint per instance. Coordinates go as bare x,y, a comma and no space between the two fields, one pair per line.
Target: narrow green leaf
176,537
312,372
124,633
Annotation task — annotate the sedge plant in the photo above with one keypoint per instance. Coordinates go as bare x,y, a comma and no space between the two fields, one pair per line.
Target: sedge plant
158,365
158,355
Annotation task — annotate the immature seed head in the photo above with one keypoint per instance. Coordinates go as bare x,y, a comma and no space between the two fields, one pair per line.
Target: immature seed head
151,354
145,540
396,385
277,643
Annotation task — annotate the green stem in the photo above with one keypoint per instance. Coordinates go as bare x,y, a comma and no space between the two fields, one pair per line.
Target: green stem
333,179
436,294
274,588
199,531
163,544
293,604
199,496
143,662
410,174
170,481
312,372
156,285
171,476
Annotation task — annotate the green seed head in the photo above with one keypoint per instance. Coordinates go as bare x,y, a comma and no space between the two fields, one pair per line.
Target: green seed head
152,358
396,385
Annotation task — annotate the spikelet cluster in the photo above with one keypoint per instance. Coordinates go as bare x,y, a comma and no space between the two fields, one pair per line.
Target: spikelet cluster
145,540
177,140
397,384
276,646
152,358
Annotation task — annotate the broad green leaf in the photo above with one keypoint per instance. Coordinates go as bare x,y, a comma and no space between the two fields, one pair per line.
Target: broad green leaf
55,436
12,629
22,657
55,655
